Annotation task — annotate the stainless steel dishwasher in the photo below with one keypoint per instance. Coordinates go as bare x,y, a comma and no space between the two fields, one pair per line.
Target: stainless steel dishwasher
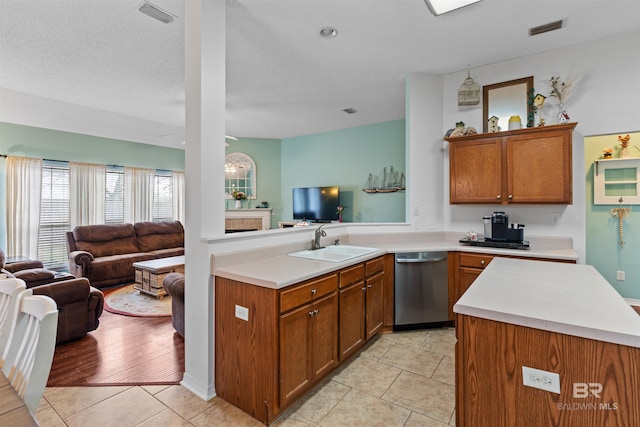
421,290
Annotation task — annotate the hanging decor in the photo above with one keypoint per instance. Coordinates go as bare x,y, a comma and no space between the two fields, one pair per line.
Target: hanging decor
469,92
387,182
620,213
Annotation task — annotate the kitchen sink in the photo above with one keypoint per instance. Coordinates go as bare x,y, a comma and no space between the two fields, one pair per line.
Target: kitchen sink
335,253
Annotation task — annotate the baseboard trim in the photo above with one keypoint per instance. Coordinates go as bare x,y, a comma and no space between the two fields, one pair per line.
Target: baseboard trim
197,388
632,301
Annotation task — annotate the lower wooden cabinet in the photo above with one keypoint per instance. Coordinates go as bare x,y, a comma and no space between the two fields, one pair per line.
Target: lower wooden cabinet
308,348
293,337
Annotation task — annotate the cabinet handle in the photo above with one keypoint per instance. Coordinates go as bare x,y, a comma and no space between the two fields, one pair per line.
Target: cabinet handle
510,196
368,286
313,291
482,262
311,313
364,289
498,197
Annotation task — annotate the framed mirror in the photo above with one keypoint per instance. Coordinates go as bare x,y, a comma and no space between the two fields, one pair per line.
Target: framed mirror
507,99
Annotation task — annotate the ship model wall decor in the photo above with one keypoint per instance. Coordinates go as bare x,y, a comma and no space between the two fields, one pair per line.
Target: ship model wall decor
388,181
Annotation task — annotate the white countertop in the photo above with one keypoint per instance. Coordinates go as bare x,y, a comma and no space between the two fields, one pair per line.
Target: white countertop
572,299
272,268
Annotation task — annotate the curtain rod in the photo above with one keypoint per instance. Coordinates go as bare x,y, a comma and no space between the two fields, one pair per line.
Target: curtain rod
65,161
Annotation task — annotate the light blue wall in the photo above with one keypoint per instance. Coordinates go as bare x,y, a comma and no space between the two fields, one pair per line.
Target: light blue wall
345,158
603,251
267,156
26,141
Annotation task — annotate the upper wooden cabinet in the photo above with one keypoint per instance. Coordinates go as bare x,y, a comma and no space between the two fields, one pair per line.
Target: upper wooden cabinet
528,166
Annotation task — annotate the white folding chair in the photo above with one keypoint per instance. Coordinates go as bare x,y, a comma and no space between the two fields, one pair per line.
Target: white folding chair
30,354
11,292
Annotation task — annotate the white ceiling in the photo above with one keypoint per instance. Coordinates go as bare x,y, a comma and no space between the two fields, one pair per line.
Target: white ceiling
102,68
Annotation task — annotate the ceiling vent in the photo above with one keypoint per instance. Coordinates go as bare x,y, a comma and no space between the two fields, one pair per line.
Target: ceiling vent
350,110
546,28
156,13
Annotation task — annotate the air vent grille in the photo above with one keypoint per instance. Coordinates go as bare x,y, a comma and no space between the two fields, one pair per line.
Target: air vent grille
156,13
350,110
546,28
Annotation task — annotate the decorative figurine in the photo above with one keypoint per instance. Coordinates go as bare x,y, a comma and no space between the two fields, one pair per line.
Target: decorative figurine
493,124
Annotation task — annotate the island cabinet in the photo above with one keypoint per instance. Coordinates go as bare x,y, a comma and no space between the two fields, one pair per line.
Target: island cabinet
361,305
308,335
273,345
465,267
527,166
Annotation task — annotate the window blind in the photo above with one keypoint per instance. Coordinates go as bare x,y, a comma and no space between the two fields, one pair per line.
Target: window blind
54,214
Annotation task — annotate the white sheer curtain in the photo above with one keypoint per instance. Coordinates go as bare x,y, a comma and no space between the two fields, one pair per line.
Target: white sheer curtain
138,194
177,189
24,186
87,193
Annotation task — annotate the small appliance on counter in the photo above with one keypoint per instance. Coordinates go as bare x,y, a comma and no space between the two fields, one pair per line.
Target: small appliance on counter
498,233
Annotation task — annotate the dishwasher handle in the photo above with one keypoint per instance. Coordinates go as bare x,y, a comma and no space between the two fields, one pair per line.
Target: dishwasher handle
408,260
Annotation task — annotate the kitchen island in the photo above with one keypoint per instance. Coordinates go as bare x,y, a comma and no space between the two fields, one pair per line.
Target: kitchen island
563,319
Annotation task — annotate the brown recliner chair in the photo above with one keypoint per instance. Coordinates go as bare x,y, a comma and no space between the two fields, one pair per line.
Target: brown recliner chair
79,304
173,283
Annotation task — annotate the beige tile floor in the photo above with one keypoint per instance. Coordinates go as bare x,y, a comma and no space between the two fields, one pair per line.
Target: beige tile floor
403,379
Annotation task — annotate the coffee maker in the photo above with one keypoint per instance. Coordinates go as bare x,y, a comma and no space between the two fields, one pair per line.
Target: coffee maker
502,232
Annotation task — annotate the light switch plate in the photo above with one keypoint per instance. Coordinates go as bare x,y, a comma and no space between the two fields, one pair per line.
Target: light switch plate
544,380
242,312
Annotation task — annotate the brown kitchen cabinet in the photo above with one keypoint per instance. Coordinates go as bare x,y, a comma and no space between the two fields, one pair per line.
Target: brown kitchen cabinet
308,346
526,166
293,337
361,304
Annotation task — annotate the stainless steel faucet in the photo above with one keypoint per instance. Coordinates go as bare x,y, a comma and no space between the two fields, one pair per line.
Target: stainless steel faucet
319,233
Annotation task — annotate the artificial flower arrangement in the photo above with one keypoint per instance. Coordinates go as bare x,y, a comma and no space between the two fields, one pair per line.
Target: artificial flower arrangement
339,209
561,90
624,141
607,153
238,195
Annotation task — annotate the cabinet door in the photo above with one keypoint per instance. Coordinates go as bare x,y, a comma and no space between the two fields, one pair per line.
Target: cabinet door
295,353
324,336
475,171
467,276
539,168
374,307
351,319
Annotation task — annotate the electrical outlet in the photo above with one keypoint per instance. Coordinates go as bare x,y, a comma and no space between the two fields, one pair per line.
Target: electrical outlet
620,276
242,312
543,380
431,224
416,211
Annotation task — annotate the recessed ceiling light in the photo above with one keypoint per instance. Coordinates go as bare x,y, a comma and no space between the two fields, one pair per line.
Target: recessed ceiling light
438,7
156,13
328,32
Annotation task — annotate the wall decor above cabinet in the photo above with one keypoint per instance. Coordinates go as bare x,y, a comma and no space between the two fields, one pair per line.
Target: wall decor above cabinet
507,99
523,166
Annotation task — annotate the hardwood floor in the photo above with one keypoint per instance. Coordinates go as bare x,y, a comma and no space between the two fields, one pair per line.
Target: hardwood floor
124,350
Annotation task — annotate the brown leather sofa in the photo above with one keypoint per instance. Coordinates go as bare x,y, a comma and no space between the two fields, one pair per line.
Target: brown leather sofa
173,283
79,304
105,253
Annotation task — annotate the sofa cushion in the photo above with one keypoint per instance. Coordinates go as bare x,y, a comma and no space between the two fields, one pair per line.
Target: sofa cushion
106,240
166,253
117,266
153,236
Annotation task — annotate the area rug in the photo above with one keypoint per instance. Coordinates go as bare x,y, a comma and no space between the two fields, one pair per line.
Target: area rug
130,302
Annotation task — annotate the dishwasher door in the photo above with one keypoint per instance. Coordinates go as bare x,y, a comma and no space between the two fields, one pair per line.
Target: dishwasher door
421,290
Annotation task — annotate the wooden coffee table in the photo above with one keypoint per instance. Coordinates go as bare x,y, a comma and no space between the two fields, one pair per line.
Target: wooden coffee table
150,274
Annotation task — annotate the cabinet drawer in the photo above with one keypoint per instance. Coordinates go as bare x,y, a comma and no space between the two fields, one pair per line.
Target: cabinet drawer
302,294
475,260
351,275
374,266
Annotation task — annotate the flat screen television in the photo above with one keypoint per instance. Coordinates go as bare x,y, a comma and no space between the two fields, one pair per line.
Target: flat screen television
316,203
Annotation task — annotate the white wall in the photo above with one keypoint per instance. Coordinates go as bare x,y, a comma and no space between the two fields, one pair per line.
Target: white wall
607,100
